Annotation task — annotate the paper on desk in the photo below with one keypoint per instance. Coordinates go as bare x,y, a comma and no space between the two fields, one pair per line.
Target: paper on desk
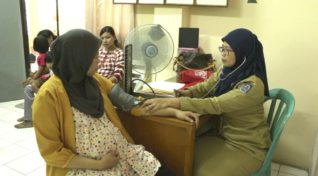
164,86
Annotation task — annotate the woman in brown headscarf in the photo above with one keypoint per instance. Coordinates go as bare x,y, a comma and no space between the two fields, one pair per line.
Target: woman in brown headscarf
77,129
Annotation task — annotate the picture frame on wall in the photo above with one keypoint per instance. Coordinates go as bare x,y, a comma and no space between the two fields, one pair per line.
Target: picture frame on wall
180,2
175,2
211,2
124,1
151,2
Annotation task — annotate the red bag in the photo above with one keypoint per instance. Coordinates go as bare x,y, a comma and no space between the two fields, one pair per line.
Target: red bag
193,68
192,77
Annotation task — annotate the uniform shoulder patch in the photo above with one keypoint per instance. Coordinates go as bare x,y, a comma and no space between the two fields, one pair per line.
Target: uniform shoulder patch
245,87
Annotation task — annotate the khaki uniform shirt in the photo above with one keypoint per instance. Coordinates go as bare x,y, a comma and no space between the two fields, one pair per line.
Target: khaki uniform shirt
241,110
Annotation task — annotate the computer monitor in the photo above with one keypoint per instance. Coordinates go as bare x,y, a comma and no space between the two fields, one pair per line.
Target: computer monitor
188,37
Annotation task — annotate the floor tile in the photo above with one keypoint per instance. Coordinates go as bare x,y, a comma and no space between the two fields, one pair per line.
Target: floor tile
274,172
292,170
10,106
4,110
16,135
39,172
7,128
28,143
9,153
5,171
10,103
275,166
11,117
4,143
27,163
285,174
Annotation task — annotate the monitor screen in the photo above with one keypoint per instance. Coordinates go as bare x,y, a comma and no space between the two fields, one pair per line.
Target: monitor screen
188,37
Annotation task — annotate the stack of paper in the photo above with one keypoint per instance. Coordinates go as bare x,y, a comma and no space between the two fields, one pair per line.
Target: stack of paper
164,87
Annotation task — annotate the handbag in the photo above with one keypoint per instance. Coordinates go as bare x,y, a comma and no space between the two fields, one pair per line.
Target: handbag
192,67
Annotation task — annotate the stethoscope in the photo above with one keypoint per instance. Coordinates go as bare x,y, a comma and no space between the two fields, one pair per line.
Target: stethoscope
222,79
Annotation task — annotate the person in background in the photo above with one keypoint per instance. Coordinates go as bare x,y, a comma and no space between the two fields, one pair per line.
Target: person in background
77,128
234,95
111,57
32,84
29,94
36,84
47,34
40,45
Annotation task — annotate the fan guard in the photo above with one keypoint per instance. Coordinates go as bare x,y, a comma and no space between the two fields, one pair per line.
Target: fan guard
152,48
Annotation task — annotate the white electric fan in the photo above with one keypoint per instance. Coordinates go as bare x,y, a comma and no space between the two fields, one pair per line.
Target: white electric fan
148,50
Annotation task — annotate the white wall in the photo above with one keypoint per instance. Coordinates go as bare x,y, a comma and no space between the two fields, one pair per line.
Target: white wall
288,30
71,15
41,14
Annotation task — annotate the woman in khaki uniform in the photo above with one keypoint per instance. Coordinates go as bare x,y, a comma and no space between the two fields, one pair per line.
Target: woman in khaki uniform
235,95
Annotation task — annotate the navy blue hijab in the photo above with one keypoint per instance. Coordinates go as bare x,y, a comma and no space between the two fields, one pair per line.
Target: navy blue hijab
245,46
73,53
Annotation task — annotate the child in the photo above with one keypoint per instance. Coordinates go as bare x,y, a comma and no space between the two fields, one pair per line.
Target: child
29,94
36,83
40,45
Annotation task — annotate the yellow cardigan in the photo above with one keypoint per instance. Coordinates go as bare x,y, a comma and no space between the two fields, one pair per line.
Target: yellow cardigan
54,126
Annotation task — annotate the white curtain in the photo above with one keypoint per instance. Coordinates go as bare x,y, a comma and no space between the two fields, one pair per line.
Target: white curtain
100,13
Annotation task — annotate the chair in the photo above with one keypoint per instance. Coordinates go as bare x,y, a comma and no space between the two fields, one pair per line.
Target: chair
281,109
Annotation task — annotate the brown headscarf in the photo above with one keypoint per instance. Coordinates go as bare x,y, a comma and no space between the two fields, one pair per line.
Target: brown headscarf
73,53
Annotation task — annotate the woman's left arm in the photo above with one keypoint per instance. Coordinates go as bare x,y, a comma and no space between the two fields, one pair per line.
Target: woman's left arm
119,67
245,94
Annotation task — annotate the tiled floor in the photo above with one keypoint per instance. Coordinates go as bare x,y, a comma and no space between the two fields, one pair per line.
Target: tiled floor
283,170
19,155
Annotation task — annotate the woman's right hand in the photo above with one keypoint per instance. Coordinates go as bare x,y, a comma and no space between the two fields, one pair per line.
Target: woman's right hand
109,160
155,104
183,93
188,116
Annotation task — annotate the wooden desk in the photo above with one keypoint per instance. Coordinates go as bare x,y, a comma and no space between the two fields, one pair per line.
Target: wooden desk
169,139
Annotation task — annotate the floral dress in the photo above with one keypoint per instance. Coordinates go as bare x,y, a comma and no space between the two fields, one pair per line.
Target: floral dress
95,137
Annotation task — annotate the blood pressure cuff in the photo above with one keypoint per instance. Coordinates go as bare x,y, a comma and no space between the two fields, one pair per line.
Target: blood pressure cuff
121,99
